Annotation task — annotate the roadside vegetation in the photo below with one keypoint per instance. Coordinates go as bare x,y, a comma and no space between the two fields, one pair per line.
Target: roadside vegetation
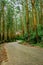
21,20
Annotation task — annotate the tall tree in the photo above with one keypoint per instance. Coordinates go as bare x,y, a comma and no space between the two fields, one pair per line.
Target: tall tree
0,21
34,14
2,18
34,19
10,24
41,16
27,17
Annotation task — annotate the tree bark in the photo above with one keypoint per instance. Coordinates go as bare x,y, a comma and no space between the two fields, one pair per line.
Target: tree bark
27,17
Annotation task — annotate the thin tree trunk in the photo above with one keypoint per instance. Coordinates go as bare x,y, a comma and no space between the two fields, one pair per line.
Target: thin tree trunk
27,17
22,24
3,20
41,16
0,26
34,14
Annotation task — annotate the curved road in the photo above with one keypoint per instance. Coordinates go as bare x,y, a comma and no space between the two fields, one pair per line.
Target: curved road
22,55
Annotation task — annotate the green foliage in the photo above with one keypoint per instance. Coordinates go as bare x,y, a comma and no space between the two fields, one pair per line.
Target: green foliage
15,19
38,45
19,37
39,34
35,36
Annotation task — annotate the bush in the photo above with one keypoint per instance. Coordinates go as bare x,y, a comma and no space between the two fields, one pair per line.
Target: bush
36,36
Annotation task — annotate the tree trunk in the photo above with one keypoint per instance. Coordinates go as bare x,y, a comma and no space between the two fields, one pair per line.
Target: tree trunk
22,24
34,19
41,16
34,14
0,26
27,17
3,21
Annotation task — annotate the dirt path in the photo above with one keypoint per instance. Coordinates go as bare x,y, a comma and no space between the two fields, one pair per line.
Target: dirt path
22,55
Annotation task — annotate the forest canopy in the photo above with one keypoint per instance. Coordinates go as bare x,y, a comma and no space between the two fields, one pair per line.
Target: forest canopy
21,19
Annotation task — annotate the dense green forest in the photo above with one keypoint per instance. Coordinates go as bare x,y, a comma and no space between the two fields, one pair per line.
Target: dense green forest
21,20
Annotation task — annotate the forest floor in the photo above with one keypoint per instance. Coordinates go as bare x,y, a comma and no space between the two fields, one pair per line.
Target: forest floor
23,55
